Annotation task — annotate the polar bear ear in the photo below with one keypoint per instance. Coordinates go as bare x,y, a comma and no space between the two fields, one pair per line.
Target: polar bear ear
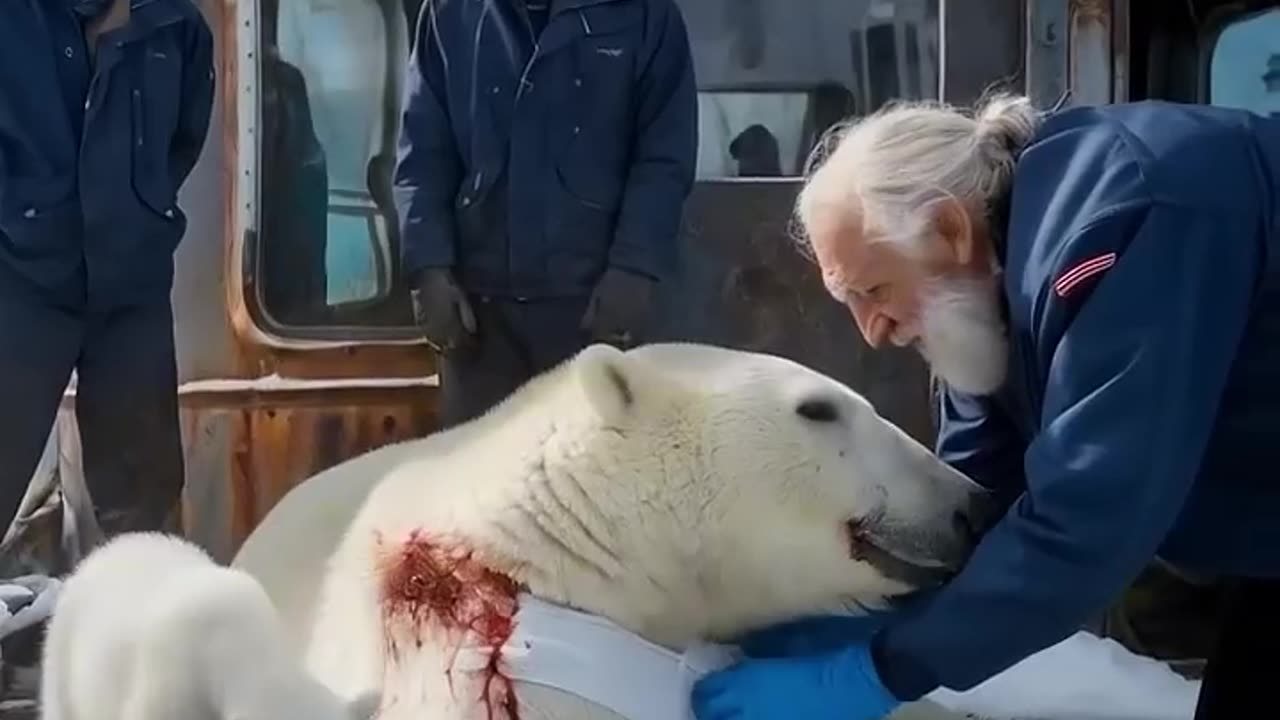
610,380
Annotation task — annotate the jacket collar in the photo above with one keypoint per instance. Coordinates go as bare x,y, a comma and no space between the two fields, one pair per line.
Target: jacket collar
144,15
559,6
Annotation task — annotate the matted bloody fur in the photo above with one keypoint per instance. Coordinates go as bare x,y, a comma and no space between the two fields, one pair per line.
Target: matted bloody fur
432,590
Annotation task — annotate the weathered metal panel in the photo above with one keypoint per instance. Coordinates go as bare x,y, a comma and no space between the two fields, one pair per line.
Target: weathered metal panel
982,43
1120,50
206,504
1090,74
1048,51
277,443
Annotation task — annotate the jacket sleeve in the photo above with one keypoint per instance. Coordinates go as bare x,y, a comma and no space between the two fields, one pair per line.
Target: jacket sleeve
664,152
1132,391
976,437
428,168
198,84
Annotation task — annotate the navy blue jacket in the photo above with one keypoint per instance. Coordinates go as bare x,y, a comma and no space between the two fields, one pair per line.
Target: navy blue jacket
1142,412
593,129
92,154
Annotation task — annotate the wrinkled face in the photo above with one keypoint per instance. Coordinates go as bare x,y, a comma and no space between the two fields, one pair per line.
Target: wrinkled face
943,299
808,499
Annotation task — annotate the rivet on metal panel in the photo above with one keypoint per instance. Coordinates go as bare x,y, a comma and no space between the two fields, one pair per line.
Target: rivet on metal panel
1049,33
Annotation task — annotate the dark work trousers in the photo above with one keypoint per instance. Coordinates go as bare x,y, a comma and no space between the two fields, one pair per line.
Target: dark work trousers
514,342
126,406
1240,676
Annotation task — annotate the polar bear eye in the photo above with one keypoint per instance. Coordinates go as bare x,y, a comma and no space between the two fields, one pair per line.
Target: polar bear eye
822,411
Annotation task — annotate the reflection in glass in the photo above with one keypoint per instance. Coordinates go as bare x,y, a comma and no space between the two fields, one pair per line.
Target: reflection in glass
332,72
1245,68
773,79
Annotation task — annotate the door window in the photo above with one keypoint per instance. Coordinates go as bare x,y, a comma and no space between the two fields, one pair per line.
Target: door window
1244,70
771,78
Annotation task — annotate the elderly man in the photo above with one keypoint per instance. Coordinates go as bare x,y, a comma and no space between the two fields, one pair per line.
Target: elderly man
1099,290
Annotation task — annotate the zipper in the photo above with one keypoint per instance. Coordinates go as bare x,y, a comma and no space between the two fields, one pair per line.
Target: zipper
528,26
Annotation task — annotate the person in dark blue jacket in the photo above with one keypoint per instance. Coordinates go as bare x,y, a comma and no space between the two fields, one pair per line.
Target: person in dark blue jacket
1098,290
546,151
104,108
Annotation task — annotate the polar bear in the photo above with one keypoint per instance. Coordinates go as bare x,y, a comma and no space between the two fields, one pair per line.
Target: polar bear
149,627
684,492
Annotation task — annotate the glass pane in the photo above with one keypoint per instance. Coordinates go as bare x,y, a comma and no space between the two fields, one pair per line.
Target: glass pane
772,79
331,77
1245,68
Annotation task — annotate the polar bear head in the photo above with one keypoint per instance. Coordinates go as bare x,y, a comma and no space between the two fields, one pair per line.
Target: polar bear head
693,491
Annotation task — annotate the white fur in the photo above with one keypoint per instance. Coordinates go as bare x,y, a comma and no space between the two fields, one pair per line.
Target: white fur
673,489
149,627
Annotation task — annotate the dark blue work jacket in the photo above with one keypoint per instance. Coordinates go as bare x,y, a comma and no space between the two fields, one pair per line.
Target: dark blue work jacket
93,152
1142,412
529,165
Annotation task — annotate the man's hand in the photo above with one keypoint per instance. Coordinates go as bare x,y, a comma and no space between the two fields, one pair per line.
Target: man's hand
841,684
619,308
441,309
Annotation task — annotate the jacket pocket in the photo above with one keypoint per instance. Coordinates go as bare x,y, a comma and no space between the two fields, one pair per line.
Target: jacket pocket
39,216
581,228
149,171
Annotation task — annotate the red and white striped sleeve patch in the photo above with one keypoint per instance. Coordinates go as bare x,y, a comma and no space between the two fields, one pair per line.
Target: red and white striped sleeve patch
1082,271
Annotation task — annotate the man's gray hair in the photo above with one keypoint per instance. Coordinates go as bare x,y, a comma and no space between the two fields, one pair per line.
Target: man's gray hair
907,156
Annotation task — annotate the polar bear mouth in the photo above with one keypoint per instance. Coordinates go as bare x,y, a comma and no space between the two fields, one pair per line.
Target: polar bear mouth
876,549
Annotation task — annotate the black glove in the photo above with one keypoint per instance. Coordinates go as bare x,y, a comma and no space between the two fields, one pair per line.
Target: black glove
441,309
619,308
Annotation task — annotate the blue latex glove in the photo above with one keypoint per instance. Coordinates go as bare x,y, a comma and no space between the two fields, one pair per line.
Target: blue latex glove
812,636
841,684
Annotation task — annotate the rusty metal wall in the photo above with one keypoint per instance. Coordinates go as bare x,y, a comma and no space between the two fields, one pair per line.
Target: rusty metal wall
205,343
274,440
982,46
1071,46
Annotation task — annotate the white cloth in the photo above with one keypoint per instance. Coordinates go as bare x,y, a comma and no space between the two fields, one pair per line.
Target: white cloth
1085,677
600,661
25,601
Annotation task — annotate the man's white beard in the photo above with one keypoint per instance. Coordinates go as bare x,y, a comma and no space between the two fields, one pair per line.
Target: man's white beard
962,334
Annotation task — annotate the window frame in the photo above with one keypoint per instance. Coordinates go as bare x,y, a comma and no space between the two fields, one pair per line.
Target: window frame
254,320
247,242
1209,34
749,88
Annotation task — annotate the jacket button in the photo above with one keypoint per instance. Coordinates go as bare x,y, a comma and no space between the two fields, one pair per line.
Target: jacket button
169,213
69,52
576,129
29,213
466,201
577,82
494,90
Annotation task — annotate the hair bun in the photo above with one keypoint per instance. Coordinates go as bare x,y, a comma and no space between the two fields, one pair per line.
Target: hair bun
1007,122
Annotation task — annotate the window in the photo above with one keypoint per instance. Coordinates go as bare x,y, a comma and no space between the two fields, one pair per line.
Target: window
1244,70
332,72
772,78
